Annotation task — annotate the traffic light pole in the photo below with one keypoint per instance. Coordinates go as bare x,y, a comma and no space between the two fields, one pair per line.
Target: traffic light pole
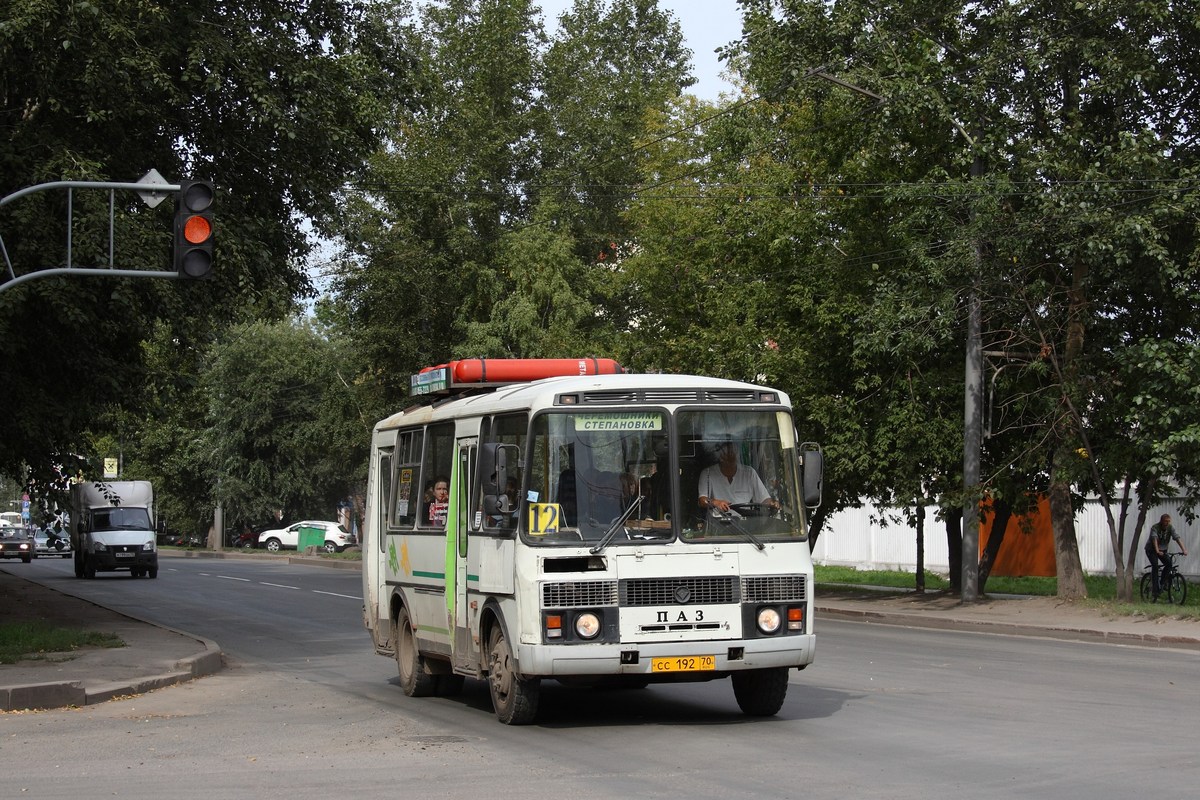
151,193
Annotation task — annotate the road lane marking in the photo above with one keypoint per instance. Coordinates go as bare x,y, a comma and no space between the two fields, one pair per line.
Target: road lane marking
280,586
231,578
335,594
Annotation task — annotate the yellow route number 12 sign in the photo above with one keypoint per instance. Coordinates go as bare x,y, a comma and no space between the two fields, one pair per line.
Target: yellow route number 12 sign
544,518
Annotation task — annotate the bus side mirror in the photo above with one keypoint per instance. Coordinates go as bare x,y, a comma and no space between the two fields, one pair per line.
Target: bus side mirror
812,467
493,468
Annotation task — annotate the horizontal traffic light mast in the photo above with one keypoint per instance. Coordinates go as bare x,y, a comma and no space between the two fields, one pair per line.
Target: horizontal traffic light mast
153,191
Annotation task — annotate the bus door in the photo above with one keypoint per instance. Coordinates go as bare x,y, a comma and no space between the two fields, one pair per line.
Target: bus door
374,546
461,615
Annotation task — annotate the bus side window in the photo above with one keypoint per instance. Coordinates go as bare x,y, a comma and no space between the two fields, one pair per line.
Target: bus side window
385,493
406,492
437,459
501,453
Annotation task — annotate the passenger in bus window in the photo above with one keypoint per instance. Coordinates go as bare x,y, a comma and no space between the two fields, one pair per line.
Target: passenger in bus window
439,502
730,482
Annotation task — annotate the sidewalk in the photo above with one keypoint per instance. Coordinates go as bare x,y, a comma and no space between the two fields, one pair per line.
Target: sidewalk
1011,615
155,656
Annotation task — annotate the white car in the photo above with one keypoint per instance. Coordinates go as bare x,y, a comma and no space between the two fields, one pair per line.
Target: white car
335,538
47,545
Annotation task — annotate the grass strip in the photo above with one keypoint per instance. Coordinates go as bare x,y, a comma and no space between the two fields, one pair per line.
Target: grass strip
37,640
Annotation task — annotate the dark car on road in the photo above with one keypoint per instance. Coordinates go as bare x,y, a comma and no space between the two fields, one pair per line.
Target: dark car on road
16,543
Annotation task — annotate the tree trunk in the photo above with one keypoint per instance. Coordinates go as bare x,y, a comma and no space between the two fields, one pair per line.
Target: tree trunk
1062,514
1066,547
815,523
1145,493
954,546
1002,511
920,524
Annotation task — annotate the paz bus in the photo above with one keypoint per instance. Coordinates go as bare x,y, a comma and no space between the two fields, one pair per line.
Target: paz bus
544,519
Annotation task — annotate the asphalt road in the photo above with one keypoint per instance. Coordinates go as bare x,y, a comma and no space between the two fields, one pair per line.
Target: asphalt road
307,710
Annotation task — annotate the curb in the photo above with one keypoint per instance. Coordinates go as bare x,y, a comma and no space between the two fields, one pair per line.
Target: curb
1010,628
40,696
259,556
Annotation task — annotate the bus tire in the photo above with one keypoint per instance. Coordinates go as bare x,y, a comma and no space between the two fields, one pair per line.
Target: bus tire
414,680
514,698
760,692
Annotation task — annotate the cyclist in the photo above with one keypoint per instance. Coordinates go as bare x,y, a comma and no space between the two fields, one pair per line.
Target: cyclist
1161,534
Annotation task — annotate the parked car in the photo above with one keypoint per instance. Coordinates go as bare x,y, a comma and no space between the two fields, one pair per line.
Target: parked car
336,537
48,543
16,543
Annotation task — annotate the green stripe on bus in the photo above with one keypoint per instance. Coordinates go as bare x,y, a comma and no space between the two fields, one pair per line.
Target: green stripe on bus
441,576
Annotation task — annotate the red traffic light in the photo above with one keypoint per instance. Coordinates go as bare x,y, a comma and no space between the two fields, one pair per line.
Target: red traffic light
197,229
194,229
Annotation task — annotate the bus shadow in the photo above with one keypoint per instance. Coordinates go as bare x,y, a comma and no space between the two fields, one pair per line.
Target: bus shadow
691,704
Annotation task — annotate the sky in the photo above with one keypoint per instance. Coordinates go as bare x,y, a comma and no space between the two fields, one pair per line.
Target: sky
706,24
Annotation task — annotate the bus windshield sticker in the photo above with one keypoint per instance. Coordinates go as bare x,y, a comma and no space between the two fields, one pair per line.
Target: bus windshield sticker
544,518
636,421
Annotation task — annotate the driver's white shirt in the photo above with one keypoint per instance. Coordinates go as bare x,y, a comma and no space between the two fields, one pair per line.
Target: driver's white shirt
746,486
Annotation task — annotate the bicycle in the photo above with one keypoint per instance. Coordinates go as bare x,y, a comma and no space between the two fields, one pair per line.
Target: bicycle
1171,583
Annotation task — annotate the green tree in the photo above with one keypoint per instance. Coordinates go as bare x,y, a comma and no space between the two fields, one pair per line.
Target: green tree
286,428
1036,153
489,223
276,103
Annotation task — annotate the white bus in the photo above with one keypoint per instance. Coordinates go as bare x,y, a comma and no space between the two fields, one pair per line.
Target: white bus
582,538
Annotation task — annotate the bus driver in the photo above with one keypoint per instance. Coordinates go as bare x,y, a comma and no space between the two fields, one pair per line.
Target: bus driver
729,482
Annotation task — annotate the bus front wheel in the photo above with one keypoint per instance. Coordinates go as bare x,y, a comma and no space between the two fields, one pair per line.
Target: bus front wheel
514,698
414,680
760,692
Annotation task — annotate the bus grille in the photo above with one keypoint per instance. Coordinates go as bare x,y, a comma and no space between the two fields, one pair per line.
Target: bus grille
773,589
579,594
679,591
697,590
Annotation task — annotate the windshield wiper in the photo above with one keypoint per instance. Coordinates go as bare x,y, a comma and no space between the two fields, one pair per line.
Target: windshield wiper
730,518
618,523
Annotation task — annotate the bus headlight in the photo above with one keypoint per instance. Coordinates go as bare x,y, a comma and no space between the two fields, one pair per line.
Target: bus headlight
769,620
587,625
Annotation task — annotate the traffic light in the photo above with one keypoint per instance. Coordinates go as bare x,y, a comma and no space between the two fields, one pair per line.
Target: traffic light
194,229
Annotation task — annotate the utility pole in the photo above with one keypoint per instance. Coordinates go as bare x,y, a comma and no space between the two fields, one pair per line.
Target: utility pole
972,421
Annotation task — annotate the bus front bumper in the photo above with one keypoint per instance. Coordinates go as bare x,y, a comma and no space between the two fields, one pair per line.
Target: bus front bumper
676,660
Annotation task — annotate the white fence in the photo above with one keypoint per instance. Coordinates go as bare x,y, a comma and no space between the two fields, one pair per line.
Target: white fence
852,538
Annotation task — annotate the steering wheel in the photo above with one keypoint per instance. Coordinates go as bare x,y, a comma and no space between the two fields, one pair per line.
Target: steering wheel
752,509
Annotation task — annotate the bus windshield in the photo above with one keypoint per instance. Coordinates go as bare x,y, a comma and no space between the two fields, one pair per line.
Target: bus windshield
606,477
590,469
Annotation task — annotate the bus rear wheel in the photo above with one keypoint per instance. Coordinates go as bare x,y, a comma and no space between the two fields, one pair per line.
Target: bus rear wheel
414,680
760,692
514,698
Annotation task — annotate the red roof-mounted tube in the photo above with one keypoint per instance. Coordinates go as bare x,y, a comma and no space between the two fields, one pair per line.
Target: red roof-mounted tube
474,372
511,370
